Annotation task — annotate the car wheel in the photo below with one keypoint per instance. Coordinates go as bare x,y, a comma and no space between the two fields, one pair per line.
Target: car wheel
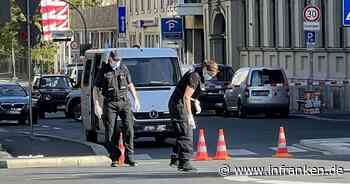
41,114
285,113
22,121
241,111
160,139
76,111
91,136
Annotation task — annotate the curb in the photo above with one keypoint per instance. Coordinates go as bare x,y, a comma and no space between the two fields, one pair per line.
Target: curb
96,148
79,161
320,118
4,153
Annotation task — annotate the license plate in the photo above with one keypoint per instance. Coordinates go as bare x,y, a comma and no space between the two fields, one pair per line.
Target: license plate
260,93
149,128
15,110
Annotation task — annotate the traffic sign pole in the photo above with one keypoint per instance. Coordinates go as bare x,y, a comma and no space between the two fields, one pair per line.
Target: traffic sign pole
30,72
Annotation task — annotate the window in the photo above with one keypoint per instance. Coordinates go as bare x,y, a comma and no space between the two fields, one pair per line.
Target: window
262,77
149,5
12,90
240,77
142,71
258,23
55,82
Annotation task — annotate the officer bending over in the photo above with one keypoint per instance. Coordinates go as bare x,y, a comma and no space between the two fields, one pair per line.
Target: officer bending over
187,90
114,80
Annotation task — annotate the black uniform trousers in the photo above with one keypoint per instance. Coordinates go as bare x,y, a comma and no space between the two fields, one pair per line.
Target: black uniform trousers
113,109
183,148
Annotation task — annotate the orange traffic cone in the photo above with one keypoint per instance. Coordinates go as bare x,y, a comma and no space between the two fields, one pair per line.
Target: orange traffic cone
221,151
282,151
202,153
122,150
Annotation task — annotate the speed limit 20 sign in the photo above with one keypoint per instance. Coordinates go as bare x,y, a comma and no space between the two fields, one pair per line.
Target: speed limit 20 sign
312,13
312,16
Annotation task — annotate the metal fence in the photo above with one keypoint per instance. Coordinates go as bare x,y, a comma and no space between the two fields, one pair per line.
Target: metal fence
334,96
7,68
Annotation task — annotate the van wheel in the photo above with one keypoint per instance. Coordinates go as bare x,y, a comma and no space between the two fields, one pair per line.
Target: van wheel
241,111
91,136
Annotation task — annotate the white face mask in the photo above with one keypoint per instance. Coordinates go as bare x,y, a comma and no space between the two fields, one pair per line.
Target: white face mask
206,75
115,65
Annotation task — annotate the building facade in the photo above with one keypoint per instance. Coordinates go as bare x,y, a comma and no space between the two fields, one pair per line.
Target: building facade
144,29
271,33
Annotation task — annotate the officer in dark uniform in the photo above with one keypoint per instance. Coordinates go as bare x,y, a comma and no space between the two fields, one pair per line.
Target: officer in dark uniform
114,80
188,89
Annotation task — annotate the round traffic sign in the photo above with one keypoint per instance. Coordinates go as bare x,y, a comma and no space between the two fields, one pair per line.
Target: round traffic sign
312,13
74,45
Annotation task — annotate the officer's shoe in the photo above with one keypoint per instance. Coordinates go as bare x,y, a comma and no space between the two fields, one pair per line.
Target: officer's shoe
114,164
186,167
174,162
131,163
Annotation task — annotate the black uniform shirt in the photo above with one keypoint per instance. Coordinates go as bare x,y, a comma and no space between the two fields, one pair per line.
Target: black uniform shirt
114,83
191,79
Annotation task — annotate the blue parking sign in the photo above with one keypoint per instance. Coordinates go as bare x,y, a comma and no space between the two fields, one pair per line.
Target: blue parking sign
346,12
171,28
122,19
310,39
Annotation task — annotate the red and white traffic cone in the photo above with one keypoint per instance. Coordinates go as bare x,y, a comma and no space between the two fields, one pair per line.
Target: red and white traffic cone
221,151
202,153
122,150
282,150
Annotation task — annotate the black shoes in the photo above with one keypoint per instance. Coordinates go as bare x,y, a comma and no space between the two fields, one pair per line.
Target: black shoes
131,163
114,164
174,162
186,166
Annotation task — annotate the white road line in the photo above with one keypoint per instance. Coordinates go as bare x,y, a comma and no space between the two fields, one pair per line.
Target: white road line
240,152
291,149
3,130
56,128
266,181
142,157
45,126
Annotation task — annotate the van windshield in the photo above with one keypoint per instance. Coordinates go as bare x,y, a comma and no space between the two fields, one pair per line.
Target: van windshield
153,71
262,77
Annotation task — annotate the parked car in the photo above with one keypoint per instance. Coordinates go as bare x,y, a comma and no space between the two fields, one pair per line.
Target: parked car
14,103
212,97
73,105
258,89
51,92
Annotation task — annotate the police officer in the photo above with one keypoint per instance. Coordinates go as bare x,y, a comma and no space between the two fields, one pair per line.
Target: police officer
114,80
180,107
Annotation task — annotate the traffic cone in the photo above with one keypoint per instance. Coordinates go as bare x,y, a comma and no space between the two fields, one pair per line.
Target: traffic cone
282,150
202,153
122,150
221,151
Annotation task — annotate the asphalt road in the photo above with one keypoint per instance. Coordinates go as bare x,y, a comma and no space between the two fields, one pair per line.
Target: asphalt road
246,139
252,137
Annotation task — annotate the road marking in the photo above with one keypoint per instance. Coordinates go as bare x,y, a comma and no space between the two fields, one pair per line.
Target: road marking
265,181
142,157
45,126
240,152
3,130
291,149
56,128
321,118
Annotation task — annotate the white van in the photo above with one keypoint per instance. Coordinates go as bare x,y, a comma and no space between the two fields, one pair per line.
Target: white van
154,72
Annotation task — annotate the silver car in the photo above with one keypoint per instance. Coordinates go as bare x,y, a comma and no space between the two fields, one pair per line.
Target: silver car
258,89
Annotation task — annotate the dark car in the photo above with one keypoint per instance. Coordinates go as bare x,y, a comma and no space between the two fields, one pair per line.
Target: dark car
14,103
212,97
51,92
